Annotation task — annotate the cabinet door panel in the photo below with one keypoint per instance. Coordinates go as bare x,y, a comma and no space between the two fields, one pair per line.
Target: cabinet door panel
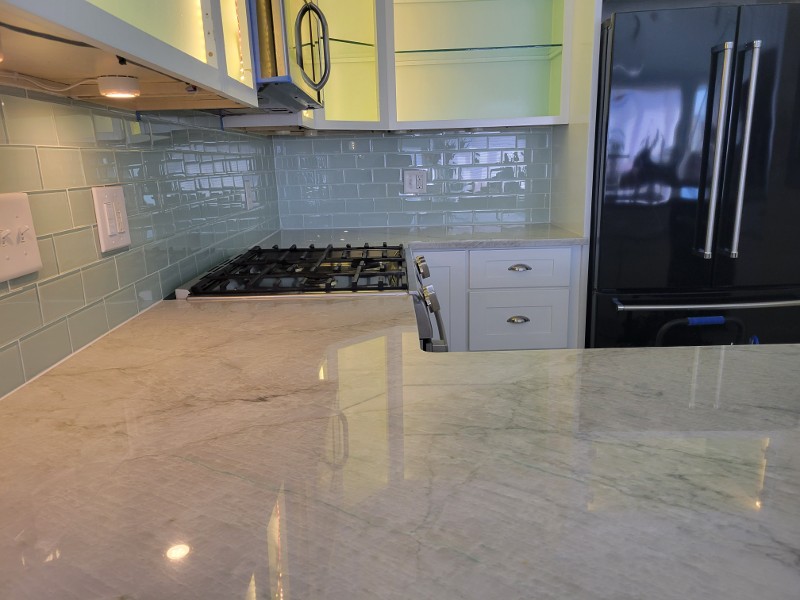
518,319
478,60
351,94
518,268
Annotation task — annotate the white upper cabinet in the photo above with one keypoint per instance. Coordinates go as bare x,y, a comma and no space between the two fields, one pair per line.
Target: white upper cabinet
171,47
479,62
433,64
351,94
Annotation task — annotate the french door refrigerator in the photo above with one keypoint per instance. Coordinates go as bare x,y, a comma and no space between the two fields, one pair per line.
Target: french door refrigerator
696,208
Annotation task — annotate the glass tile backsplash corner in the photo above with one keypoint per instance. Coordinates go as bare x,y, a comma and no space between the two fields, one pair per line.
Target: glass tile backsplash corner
473,177
184,194
183,182
12,374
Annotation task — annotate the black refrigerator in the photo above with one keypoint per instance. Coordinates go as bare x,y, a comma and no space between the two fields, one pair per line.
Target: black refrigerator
696,211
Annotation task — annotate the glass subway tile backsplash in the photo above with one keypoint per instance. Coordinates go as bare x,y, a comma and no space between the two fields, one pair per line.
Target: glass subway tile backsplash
474,177
183,181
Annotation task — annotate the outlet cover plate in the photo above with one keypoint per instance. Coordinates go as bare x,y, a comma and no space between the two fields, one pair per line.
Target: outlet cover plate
415,181
19,250
112,218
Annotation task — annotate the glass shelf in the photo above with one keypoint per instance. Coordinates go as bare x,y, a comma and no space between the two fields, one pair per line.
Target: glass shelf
351,50
545,52
468,60
535,47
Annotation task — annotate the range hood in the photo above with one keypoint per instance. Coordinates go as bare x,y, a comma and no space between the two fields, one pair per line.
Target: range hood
291,56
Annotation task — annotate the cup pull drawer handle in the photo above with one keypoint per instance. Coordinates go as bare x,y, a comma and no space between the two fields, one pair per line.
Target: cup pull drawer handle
519,267
517,319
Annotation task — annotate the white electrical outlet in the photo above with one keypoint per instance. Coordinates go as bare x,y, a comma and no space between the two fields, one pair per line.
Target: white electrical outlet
112,218
415,181
19,250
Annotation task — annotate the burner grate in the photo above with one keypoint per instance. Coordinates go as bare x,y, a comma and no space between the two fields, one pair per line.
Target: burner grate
283,271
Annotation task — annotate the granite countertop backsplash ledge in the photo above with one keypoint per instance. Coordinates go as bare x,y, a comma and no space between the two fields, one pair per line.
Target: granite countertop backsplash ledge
465,237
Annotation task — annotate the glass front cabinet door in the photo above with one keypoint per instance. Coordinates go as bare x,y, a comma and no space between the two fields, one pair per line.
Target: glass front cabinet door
421,64
473,62
434,64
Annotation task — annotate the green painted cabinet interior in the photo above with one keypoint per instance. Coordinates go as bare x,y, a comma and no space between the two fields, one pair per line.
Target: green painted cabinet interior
431,64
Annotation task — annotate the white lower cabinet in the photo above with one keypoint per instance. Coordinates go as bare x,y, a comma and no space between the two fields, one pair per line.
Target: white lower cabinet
508,298
518,319
519,298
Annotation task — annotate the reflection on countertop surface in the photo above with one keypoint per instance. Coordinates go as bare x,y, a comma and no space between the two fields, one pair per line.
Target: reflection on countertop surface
262,450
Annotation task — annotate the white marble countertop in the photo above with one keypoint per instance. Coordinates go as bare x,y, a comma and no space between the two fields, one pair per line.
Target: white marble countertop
295,453
451,237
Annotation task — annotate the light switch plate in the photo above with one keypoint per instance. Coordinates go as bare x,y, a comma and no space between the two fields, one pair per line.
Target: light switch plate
19,250
112,218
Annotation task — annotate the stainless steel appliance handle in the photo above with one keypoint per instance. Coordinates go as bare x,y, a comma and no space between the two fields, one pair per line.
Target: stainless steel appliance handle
755,46
518,320
326,73
722,306
520,267
722,109
442,334
422,267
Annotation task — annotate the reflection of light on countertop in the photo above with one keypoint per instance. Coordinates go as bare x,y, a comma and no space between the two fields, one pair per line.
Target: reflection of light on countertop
764,446
178,551
53,556
276,543
251,589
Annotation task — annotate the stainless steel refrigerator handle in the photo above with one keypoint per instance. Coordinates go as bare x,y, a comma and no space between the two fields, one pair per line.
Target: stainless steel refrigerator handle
722,109
326,73
755,46
723,306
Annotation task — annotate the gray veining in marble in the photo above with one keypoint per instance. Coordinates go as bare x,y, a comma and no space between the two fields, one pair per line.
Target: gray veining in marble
300,454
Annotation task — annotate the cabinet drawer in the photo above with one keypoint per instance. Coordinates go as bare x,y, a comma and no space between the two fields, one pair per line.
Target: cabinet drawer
524,267
542,316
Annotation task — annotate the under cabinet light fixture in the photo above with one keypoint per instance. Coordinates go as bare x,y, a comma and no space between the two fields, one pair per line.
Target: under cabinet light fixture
110,86
118,86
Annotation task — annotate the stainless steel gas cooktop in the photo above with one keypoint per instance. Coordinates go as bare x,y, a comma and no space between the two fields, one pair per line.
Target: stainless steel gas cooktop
264,272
